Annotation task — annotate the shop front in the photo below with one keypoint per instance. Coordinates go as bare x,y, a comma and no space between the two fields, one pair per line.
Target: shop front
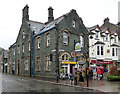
103,63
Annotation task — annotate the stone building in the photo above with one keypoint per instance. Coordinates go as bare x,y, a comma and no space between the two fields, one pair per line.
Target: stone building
43,48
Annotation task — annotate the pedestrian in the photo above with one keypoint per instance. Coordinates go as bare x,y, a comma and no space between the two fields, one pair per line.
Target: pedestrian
102,73
72,79
69,75
99,73
94,73
12,71
81,79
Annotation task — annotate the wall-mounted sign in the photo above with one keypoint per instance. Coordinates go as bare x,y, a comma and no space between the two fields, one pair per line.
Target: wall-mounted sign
73,54
77,47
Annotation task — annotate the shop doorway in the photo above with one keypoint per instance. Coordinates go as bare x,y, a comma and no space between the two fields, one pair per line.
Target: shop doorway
72,68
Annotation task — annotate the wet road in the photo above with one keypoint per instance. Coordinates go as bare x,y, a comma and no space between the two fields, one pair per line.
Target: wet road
12,83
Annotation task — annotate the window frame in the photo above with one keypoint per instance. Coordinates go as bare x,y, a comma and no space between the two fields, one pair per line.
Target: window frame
65,38
74,23
39,42
47,63
23,48
48,39
23,34
82,41
113,52
38,64
26,64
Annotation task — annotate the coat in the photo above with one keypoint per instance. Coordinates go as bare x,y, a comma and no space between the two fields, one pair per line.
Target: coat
99,71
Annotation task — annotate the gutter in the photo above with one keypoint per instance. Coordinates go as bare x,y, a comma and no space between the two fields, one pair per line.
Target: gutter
34,48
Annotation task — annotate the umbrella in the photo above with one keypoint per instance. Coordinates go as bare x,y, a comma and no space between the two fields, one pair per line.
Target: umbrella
101,67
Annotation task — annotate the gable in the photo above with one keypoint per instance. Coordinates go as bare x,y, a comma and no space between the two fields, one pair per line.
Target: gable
67,23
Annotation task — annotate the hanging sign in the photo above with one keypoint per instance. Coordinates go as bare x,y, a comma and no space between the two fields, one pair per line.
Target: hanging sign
77,47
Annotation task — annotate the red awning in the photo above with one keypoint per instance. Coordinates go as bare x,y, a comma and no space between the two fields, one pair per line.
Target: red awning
102,62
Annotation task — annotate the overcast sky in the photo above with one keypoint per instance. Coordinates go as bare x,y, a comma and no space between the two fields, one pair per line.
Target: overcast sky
91,11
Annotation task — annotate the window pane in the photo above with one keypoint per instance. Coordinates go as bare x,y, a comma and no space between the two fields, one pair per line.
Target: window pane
81,41
116,51
101,50
65,38
113,52
48,39
98,53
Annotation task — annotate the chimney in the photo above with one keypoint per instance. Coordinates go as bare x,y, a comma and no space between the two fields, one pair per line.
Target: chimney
106,20
25,13
50,14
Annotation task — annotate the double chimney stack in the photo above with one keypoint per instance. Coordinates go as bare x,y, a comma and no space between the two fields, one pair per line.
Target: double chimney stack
25,15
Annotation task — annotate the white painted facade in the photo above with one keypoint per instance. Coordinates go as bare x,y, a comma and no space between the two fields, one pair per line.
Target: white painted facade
104,45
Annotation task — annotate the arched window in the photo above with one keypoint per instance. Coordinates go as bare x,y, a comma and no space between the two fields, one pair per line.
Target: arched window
65,56
65,38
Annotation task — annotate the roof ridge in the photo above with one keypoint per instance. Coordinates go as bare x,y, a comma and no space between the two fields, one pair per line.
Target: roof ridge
36,21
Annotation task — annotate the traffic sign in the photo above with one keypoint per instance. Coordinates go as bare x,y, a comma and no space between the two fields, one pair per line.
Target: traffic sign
73,54
60,59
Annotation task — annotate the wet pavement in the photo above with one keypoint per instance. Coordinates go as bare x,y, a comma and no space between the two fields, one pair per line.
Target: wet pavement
102,85
13,83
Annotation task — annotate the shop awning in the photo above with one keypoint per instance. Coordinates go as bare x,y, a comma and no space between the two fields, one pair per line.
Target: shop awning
102,62
68,62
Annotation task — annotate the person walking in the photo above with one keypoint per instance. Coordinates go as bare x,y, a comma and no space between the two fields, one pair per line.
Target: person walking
72,79
102,73
99,73
94,73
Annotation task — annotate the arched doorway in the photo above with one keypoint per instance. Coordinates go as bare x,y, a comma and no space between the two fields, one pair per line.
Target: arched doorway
65,68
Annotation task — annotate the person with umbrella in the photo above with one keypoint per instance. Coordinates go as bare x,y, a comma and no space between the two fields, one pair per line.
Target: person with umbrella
101,72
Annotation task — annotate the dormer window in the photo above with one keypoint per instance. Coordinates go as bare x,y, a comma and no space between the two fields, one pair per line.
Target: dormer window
96,35
106,37
74,23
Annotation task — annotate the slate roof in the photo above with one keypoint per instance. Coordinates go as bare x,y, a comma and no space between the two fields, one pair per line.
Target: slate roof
112,28
93,28
40,27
